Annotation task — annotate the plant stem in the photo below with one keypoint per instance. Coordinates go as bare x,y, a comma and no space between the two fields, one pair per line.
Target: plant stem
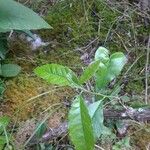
147,71
95,93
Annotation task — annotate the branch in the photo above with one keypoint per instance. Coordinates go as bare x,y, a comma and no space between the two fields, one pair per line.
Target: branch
140,115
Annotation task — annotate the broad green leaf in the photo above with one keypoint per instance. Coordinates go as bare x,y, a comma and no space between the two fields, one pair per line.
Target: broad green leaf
10,70
15,16
100,76
57,74
96,113
89,71
110,70
2,141
116,64
4,121
102,54
94,107
3,30
80,126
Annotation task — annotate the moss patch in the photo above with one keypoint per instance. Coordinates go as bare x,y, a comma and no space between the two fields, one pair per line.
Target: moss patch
142,138
135,87
22,97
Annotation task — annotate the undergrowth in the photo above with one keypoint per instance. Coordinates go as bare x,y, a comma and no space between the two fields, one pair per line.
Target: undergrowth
116,25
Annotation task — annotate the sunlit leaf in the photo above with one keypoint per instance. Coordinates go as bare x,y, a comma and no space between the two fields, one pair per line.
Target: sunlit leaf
102,54
89,71
80,126
100,76
57,74
2,142
96,113
116,64
110,70
4,121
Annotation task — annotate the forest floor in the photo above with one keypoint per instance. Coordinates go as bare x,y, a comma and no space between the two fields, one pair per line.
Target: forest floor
79,28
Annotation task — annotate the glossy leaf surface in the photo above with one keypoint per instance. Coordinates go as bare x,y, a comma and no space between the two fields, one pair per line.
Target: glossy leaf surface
80,126
57,74
102,54
89,71
96,113
4,121
109,69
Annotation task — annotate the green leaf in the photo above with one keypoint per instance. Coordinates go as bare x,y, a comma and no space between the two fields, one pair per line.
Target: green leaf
89,72
10,70
57,74
96,113
116,64
4,121
102,54
2,142
100,76
3,30
40,130
110,70
80,126
15,16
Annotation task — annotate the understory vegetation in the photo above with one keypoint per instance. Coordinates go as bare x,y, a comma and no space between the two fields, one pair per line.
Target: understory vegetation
74,75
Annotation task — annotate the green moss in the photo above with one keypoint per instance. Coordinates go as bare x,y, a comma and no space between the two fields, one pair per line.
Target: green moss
75,22
18,48
69,23
135,87
141,138
142,30
19,98
107,18
64,56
